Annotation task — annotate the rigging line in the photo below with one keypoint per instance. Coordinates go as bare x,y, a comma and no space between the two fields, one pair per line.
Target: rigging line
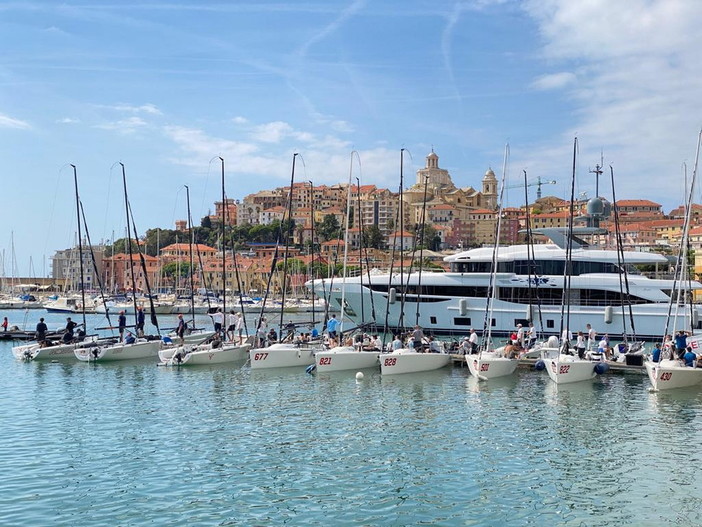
392,262
360,247
288,232
421,250
80,245
95,266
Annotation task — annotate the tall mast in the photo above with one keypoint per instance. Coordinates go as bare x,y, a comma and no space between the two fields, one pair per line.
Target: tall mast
401,322
190,242
287,243
224,249
346,245
129,239
80,245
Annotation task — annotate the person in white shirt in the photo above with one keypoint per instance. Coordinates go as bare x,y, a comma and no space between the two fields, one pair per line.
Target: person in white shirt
378,343
231,325
473,340
591,337
580,345
531,336
464,348
218,320
239,326
520,335
566,335
434,346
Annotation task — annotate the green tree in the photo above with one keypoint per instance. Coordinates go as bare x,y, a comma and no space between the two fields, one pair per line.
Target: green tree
372,237
173,269
329,229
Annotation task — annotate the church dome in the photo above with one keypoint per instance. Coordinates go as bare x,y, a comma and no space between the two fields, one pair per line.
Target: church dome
489,174
432,155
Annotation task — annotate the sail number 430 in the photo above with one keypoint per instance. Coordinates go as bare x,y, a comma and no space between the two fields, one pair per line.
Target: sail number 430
666,375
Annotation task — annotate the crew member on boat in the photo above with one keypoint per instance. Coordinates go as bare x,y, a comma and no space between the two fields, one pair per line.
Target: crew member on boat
591,336
396,343
681,342
656,355
332,327
231,325
41,331
580,345
121,325
4,323
531,335
520,335
180,330
140,321
417,336
68,332
473,340
218,320
690,357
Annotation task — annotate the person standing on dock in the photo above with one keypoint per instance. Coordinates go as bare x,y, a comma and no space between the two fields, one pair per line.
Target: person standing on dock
591,336
41,331
121,325
4,324
140,321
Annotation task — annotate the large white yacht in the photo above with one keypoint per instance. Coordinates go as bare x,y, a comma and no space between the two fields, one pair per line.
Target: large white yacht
528,289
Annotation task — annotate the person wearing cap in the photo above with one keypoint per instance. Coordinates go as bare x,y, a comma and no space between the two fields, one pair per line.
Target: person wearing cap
464,348
473,340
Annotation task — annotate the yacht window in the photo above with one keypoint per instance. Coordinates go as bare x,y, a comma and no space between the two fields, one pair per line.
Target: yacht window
550,324
432,320
461,321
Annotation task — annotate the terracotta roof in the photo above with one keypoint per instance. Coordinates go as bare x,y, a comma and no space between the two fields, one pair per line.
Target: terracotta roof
185,247
636,203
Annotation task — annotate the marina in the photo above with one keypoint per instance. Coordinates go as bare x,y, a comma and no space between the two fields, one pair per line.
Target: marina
436,447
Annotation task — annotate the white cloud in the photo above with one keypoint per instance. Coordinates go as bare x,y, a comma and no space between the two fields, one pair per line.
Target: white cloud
240,120
10,122
124,126
271,132
554,81
148,108
637,95
68,120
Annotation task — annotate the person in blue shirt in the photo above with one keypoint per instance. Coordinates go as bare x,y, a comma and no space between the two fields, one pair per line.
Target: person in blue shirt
656,353
332,326
690,358
681,342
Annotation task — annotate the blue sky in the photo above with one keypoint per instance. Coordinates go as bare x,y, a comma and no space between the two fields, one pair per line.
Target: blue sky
165,87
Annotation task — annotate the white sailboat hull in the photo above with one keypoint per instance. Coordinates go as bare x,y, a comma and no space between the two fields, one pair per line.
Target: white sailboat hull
205,354
283,356
567,369
670,374
345,358
137,350
409,361
490,366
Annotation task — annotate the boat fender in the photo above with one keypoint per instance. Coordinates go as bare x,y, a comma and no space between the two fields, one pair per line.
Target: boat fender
601,367
311,369
608,314
392,295
167,340
463,307
539,365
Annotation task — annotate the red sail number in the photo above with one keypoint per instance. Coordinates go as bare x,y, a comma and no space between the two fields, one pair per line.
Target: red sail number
261,356
390,361
666,375
324,361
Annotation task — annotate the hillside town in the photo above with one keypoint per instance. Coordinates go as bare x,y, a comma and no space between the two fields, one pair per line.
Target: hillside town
429,219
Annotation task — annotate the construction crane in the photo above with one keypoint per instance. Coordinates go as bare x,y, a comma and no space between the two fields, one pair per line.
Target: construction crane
535,182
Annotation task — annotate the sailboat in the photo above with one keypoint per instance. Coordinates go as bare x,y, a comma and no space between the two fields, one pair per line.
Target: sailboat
290,353
407,360
567,367
669,373
63,351
132,348
490,363
216,351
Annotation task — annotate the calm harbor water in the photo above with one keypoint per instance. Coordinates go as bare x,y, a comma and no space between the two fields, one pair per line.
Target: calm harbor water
136,444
